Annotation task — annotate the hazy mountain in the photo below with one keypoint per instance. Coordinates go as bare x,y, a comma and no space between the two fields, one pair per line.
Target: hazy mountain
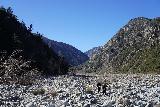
16,38
135,48
92,51
72,55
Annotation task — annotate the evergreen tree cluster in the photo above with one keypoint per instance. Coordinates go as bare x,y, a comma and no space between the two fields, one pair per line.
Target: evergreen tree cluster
15,35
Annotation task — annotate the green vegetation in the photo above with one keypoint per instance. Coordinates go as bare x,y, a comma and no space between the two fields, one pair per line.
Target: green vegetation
146,61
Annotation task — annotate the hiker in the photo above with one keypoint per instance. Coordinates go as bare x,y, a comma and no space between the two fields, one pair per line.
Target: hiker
104,88
99,86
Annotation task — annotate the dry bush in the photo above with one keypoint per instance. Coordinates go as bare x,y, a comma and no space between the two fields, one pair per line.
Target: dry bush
89,89
15,69
53,93
40,91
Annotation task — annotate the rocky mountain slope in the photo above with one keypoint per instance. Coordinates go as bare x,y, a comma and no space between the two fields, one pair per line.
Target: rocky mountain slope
18,45
92,51
135,48
72,55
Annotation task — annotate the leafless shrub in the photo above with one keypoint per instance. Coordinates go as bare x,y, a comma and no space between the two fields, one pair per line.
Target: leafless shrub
15,69
53,93
89,89
40,91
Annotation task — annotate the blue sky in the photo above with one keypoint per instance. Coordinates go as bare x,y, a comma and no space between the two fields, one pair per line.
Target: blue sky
81,23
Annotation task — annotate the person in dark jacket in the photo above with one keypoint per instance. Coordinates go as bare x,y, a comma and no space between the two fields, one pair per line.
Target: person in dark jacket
104,88
99,87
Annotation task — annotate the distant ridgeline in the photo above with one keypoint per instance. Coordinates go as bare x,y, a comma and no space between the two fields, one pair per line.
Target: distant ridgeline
134,49
92,51
17,39
72,55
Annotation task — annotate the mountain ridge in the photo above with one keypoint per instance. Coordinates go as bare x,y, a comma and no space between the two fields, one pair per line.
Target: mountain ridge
133,48
93,51
71,54
16,37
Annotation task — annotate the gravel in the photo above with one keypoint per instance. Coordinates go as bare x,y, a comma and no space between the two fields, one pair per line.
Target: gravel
123,90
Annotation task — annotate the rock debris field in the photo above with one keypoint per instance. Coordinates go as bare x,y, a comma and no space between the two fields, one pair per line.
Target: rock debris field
123,90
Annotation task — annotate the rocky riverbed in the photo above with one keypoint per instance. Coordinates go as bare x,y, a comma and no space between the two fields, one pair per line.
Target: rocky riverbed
123,90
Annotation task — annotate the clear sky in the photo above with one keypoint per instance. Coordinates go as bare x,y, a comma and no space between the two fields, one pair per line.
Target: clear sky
81,23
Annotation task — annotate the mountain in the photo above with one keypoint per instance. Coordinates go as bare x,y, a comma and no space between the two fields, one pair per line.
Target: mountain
92,51
135,48
19,43
72,55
